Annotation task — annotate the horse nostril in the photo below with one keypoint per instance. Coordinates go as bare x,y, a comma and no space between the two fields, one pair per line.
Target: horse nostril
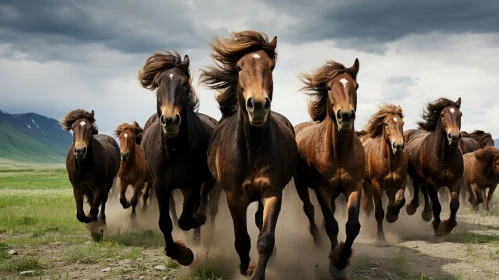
75,150
394,145
162,120
249,103
177,119
338,115
267,103
353,115
84,149
450,136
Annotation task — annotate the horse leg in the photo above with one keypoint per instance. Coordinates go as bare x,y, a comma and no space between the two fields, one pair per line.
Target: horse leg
426,214
446,226
472,198
437,208
237,206
191,202
215,195
173,208
379,213
266,238
105,196
206,187
123,187
97,200
487,200
414,204
340,258
259,216
137,191
396,197
147,191
367,201
80,214
175,250
308,208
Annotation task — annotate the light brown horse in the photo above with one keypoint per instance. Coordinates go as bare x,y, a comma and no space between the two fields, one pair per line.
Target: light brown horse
175,145
481,172
331,156
253,151
435,160
92,164
386,165
133,169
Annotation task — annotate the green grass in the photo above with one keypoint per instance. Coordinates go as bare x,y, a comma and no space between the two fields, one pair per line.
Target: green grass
91,253
19,263
30,178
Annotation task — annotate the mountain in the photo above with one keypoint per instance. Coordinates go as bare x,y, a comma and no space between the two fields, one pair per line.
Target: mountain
32,138
496,143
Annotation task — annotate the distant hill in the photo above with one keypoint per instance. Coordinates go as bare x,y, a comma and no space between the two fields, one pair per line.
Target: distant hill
32,138
496,143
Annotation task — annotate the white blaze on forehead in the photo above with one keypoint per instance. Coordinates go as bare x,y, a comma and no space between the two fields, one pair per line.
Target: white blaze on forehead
344,82
82,123
126,135
256,56
452,110
395,119
171,76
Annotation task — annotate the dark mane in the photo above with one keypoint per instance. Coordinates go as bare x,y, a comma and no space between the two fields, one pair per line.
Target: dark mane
316,87
374,127
479,135
67,121
431,115
223,76
135,127
159,63
487,154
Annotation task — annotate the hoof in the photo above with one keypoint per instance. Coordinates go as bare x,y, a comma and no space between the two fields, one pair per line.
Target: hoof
445,228
411,208
427,215
391,218
187,224
337,273
180,253
124,203
199,218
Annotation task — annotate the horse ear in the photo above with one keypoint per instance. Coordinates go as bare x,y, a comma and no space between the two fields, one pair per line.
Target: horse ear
92,114
354,69
273,43
458,102
186,60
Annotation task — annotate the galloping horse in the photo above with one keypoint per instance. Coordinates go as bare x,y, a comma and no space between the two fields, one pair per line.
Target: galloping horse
331,156
481,172
133,169
253,151
92,164
175,145
436,161
386,165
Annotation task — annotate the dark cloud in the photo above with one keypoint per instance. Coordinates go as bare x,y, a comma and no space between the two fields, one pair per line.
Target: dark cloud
363,24
396,88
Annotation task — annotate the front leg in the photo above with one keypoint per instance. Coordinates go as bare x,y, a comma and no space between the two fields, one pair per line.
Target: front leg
191,202
80,214
137,191
487,200
472,198
238,206
396,197
379,214
446,226
206,187
175,250
123,187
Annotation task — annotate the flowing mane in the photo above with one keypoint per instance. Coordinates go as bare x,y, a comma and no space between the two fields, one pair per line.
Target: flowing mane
224,75
316,87
487,154
158,63
479,135
374,127
431,115
135,127
67,121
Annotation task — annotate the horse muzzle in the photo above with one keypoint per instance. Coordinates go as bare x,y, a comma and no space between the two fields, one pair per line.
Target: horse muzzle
345,120
124,156
397,148
170,125
453,139
258,111
80,152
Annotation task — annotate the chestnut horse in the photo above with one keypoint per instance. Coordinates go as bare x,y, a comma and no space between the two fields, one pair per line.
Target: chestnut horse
481,172
386,165
92,164
331,156
253,151
175,145
133,170
435,160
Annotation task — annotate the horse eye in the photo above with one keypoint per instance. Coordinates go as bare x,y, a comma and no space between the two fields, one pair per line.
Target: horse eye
238,68
386,124
328,88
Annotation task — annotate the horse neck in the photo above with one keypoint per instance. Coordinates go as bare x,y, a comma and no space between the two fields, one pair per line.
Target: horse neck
337,143
251,139
441,147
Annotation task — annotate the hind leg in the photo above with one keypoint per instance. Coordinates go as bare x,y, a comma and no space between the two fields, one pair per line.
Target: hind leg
379,214
137,191
173,208
472,198
266,238
206,187
214,201
397,201
448,225
437,208
414,204
340,257
259,216
367,200
191,202
80,214
308,208
237,206
175,250
147,191
426,214
488,198
105,196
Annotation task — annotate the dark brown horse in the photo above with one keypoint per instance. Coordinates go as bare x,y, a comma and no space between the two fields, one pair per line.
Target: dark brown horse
133,169
253,151
386,165
435,160
175,145
481,172
483,138
468,144
331,156
92,164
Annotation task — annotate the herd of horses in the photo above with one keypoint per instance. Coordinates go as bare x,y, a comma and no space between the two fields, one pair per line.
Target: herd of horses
253,153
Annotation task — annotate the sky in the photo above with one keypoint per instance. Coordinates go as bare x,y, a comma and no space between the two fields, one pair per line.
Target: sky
58,55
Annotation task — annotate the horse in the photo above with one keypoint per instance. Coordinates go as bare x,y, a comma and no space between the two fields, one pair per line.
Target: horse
385,165
468,144
435,160
331,156
484,139
175,145
92,163
481,172
133,169
253,151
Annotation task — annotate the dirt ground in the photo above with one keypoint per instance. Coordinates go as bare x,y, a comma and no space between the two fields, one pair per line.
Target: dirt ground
470,252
